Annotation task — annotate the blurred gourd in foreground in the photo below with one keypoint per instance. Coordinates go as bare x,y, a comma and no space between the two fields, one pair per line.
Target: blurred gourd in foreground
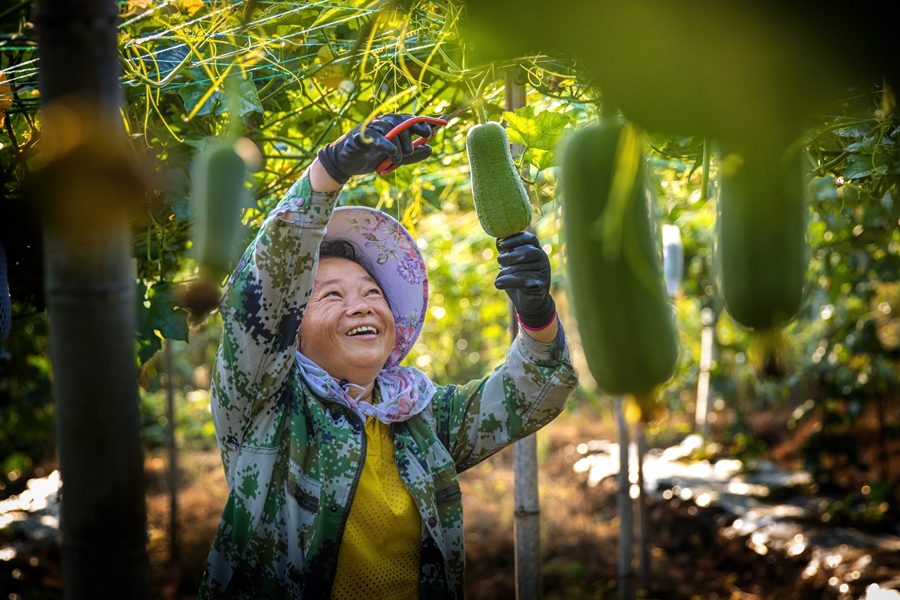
624,319
501,201
218,174
761,246
744,73
219,194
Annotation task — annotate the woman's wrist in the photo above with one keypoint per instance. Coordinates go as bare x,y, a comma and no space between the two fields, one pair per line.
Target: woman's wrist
545,334
320,180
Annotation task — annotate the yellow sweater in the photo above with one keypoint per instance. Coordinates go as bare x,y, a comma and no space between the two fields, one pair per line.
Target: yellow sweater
379,553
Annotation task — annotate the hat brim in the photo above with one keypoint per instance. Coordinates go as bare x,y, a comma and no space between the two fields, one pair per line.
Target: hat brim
396,262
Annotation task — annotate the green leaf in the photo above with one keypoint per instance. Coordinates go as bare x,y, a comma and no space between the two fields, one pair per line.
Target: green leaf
191,95
859,165
541,159
540,131
164,315
147,347
855,131
161,315
177,181
822,189
177,188
140,296
866,144
181,206
249,98
146,342
334,14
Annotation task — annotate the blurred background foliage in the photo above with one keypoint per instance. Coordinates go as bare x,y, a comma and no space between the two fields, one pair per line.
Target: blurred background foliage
309,72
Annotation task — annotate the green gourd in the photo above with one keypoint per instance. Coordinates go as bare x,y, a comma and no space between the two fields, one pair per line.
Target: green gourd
500,199
218,176
762,253
624,319
219,195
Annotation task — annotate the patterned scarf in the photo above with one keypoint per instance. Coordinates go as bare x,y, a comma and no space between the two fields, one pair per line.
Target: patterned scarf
405,391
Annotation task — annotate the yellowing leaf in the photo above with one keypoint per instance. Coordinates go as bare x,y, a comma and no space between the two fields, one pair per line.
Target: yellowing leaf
541,159
133,4
190,6
540,131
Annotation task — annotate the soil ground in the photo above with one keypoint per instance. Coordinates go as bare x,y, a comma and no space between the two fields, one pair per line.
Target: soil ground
579,528
689,559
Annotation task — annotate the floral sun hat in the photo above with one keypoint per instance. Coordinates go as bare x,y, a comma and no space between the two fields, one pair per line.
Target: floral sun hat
395,261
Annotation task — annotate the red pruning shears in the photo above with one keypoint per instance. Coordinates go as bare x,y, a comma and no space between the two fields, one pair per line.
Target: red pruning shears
435,123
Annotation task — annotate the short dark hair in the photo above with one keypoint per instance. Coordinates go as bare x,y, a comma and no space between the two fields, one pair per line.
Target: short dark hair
347,250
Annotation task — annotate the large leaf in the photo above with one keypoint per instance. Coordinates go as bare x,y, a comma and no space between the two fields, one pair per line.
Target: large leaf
862,146
541,159
177,186
181,206
164,315
854,131
161,319
193,93
146,342
859,165
539,131
248,99
877,161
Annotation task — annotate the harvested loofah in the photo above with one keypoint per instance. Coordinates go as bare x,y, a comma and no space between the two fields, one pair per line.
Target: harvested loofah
500,199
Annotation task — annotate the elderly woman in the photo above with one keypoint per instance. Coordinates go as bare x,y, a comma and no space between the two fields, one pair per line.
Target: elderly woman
342,463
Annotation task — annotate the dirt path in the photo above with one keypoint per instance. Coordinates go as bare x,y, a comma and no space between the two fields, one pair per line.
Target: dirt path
693,558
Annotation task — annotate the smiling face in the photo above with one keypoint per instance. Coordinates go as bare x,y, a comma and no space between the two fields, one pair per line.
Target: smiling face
348,328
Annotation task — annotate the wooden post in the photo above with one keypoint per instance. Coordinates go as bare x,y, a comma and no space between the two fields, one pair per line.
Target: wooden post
87,187
643,517
707,339
172,473
528,507
626,509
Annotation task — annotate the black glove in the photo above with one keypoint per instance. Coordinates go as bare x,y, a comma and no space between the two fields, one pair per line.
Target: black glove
525,275
349,155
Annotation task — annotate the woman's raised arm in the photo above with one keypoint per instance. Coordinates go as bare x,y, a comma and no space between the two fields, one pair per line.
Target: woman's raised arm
530,389
261,312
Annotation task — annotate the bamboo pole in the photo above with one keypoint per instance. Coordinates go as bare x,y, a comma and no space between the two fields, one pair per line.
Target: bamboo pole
525,468
86,187
708,317
707,339
643,517
626,509
172,472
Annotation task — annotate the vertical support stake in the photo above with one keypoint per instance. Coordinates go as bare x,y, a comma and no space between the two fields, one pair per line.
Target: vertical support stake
172,474
626,510
528,508
707,338
643,518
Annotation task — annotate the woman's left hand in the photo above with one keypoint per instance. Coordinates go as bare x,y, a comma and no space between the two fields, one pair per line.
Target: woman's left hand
360,152
525,276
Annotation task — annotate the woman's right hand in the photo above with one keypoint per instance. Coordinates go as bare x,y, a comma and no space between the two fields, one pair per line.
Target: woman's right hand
352,155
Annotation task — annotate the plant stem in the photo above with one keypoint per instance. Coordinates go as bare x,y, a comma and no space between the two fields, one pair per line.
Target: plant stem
704,180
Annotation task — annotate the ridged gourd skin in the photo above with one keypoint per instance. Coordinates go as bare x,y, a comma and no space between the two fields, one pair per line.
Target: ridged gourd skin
500,199
625,323
762,249
218,177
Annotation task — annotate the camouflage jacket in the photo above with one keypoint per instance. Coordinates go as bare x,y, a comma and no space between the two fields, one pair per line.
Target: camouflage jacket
292,460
